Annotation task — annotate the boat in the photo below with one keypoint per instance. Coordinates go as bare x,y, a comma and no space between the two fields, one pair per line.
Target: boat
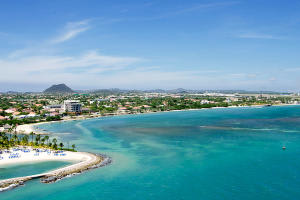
283,148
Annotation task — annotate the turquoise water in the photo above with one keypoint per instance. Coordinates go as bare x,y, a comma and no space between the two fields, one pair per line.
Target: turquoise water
228,154
11,171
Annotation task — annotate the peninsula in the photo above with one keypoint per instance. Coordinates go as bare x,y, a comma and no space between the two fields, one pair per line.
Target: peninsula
16,149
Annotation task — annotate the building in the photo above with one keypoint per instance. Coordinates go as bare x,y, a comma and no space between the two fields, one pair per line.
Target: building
55,106
7,127
72,106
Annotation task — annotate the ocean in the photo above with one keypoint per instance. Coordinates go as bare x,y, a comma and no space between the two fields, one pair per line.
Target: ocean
212,154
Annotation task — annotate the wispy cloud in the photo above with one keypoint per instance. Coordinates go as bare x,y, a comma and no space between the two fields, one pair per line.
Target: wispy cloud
295,69
89,60
184,10
259,36
3,34
243,75
42,63
71,30
202,6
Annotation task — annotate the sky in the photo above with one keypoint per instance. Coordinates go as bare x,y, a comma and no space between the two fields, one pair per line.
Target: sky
149,44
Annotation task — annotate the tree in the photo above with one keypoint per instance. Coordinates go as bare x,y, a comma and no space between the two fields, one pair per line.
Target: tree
10,130
47,138
25,139
43,141
14,127
73,146
38,138
61,145
54,141
15,139
32,134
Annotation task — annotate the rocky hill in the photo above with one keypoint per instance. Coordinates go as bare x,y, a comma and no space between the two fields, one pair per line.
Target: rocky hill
60,88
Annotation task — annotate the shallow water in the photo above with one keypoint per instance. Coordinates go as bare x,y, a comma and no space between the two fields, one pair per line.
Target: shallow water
230,153
11,171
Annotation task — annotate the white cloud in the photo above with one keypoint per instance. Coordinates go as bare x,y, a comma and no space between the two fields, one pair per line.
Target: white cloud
41,63
194,8
296,69
243,75
259,36
90,60
3,34
71,30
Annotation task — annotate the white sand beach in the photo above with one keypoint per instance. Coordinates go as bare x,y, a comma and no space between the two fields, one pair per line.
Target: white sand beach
25,128
83,161
29,155
28,128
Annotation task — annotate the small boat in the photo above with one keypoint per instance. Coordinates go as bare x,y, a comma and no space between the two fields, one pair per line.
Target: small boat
283,148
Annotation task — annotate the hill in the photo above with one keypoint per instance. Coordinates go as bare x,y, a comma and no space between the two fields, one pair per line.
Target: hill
60,88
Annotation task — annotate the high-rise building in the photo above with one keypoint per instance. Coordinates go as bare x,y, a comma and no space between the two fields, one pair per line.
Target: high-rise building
72,106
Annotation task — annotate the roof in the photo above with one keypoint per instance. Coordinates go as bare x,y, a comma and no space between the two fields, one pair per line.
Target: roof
7,126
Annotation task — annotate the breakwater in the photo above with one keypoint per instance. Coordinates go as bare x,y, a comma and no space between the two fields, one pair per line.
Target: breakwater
93,161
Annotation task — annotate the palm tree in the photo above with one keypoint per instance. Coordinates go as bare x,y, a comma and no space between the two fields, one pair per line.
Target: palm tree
54,141
15,138
38,138
10,130
25,139
43,141
73,146
32,134
14,127
61,145
47,138
2,139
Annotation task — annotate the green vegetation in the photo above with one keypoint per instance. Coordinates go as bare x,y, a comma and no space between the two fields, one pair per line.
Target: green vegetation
10,140
17,109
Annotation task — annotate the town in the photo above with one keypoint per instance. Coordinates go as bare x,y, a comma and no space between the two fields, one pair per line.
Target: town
25,108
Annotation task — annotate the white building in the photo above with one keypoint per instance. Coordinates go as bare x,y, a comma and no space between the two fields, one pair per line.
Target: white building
72,106
54,106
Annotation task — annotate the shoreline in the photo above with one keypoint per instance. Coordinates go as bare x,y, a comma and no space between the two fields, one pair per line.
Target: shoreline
84,161
28,128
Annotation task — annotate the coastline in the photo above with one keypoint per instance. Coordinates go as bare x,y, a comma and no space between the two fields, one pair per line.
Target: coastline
28,128
84,161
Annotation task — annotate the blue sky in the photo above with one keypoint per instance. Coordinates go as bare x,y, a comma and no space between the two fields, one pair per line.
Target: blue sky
138,44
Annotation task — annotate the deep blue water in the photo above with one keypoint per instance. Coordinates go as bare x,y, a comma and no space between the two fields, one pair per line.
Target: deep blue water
228,154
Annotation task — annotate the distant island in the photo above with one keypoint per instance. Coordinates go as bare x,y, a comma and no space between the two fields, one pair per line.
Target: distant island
59,88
